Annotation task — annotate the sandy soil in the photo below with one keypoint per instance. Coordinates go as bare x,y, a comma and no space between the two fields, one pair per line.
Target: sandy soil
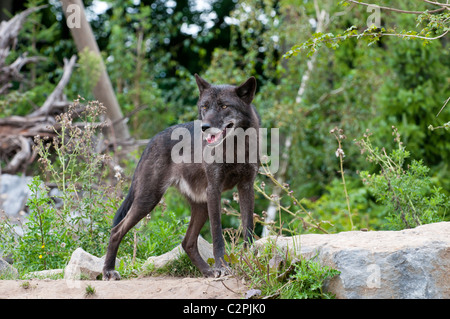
143,288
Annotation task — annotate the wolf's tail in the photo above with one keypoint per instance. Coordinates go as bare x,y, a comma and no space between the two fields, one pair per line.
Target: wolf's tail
124,208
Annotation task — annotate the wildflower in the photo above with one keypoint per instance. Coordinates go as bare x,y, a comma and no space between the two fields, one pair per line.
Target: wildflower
43,246
63,245
40,256
118,171
340,152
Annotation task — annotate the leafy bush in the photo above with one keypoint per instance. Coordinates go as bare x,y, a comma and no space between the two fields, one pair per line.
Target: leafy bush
408,194
43,245
278,275
307,280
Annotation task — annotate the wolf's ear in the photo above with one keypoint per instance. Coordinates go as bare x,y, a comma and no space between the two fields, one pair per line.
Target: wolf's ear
201,83
247,90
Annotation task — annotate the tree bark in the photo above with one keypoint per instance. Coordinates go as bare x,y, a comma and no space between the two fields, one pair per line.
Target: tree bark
103,91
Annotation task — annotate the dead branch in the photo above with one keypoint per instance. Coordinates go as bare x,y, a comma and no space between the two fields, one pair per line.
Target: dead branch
57,95
17,132
21,156
11,72
9,30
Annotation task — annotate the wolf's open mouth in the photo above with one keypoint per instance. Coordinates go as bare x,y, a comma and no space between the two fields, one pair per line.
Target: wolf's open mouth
218,135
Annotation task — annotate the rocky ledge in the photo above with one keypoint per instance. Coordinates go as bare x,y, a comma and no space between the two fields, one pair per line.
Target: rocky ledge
411,263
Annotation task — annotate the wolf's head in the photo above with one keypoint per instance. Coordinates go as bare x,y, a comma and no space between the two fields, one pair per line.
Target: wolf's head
225,107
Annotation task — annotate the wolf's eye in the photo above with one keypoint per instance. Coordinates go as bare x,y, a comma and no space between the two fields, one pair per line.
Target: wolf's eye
224,106
204,107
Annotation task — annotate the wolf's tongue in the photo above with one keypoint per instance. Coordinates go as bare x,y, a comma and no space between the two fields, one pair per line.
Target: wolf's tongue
212,138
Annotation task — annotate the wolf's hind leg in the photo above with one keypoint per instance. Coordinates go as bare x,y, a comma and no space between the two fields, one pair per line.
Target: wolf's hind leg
135,214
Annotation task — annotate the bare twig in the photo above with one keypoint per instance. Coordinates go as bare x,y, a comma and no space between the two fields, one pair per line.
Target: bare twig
443,106
437,3
395,9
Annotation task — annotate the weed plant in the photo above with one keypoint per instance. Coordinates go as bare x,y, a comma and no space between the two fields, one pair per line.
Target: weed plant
79,214
279,273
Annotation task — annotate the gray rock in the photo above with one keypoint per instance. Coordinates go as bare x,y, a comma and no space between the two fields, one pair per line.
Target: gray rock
252,294
44,274
7,271
204,248
14,193
412,263
83,265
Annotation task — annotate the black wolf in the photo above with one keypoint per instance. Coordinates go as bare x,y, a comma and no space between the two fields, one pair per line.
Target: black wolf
221,109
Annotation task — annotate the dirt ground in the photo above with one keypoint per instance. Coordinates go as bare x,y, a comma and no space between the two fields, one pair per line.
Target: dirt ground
143,288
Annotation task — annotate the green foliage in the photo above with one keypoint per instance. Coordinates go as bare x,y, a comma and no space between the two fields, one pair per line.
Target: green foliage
180,267
45,243
307,281
434,26
331,207
162,234
408,194
278,275
89,291
87,74
73,168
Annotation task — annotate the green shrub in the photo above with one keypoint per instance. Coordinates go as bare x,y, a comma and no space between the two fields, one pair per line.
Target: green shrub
405,190
277,274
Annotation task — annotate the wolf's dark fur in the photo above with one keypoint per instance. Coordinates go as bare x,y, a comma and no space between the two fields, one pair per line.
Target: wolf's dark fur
220,107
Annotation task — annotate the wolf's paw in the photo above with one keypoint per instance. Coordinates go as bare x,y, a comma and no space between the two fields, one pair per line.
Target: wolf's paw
110,275
216,272
221,272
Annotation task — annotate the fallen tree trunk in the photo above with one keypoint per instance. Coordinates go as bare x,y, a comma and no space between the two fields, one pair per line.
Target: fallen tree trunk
17,132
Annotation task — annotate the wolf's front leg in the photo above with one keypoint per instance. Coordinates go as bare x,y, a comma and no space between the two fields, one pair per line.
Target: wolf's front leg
247,205
214,210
